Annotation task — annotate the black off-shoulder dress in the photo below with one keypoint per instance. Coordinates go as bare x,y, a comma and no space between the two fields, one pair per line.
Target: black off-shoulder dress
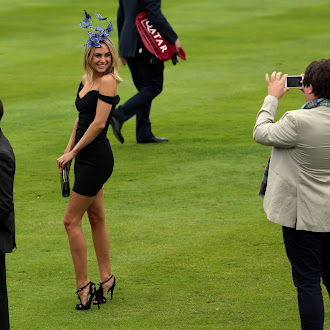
94,163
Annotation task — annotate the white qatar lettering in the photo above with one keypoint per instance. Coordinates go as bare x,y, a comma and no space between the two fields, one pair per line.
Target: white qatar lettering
150,27
163,48
156,35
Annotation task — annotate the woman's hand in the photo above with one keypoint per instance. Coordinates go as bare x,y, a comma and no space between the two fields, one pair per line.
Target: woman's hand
276,84
68,164
65,159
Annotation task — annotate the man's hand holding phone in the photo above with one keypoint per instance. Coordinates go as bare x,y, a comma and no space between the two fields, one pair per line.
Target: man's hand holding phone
276,84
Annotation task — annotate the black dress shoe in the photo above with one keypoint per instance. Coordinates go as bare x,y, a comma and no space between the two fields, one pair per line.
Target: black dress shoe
116,127
153,139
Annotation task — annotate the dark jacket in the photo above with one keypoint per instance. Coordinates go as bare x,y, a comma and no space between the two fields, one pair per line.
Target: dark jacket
7,217
129,37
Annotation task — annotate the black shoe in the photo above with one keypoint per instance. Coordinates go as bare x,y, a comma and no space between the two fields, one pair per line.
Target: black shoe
116,127
91,292
100,298
154,139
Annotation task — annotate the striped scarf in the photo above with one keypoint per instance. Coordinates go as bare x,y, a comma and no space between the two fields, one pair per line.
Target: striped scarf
309,105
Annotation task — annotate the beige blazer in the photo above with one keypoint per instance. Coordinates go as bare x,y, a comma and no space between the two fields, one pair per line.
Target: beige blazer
298,187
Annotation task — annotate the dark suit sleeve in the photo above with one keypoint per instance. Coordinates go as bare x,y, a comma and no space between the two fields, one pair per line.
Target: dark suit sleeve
159,21
120,18
7,171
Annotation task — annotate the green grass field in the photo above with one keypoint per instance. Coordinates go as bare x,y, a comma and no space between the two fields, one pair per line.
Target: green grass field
191,247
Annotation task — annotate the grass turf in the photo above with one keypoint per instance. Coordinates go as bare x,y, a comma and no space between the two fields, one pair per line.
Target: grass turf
189,241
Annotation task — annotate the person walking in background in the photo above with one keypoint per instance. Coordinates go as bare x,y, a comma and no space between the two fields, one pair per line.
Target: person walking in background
95,102
7,218
147,72
298,187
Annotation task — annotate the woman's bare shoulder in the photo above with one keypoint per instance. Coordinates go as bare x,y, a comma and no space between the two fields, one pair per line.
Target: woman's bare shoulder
108,85
108,79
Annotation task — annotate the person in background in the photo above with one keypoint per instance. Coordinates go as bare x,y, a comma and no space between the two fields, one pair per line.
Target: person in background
298,188
7,218
147,72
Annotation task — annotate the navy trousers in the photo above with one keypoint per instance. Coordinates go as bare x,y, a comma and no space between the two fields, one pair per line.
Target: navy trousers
4,314
148,79
309,255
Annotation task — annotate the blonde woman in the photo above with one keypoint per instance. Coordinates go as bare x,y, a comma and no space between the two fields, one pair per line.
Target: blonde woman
88,144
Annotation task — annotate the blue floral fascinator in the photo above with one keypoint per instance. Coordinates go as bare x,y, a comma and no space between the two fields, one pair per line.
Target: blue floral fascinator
96,34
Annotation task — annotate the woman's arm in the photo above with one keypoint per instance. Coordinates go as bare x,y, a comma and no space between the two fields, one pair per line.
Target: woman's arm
108,87
70,145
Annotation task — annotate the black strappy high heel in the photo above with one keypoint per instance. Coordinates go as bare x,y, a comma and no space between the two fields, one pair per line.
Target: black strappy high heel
100,299
92,293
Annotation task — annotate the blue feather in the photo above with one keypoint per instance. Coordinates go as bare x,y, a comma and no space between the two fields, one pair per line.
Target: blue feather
99,28
110,28
85,23
92,43
87,15
100,17
92,36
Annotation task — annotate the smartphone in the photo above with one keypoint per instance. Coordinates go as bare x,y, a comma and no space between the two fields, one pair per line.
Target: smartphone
294,81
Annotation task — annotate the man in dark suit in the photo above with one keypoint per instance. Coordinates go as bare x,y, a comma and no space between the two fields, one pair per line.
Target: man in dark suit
7,218
147,72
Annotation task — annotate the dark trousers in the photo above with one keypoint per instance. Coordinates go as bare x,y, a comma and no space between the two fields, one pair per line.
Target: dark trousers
4,314
148,80
309,255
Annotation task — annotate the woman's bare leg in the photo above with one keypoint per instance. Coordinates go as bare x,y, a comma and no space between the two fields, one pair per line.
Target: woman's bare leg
101,239
77,206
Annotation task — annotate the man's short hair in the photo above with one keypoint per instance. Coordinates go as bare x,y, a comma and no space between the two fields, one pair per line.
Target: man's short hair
1,109
317,74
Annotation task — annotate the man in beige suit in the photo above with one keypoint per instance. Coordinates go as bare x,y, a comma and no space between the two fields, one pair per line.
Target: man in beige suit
298,186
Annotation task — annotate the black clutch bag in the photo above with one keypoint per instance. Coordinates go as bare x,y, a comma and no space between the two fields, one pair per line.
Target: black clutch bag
65,185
